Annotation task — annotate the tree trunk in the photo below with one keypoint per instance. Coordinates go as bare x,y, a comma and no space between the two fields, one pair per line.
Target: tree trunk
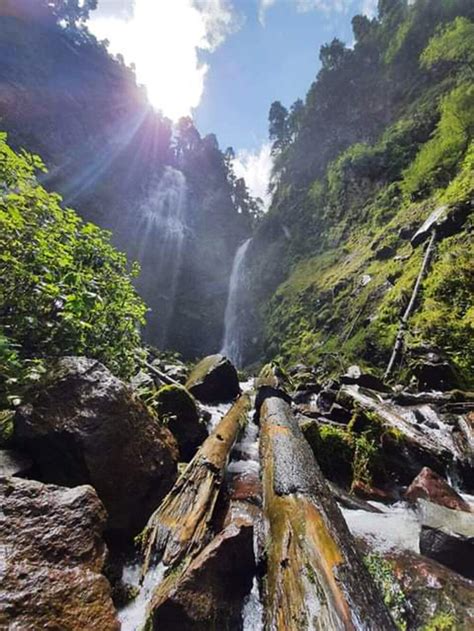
315,577
403,324
180,525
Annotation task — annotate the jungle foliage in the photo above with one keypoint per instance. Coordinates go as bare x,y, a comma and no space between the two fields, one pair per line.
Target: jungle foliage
65,289
384,137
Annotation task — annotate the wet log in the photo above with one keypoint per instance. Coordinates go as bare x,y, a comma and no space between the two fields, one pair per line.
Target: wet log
400,419
315,576
180,525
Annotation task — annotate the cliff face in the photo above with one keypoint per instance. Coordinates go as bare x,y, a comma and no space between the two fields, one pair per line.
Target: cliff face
160,189
383,139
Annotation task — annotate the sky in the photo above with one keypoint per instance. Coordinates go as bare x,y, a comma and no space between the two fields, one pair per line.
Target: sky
224,62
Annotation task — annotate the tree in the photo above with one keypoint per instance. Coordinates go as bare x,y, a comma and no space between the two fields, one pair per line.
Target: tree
65,289
333,55
454,43
278,126
71,11
361,27
385,7
187,136
295,116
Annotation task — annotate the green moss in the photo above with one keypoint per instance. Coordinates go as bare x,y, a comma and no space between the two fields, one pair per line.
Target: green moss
442,621
175,401
382,571
6,427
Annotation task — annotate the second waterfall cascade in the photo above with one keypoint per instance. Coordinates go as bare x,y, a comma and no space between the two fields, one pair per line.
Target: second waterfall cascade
233,325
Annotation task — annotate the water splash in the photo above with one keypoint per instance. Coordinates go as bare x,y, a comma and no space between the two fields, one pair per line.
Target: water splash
160,231
396,528
233,330
252,613
133,616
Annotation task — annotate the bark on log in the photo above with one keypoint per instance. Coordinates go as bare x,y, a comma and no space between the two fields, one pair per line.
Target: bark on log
315,577
180,525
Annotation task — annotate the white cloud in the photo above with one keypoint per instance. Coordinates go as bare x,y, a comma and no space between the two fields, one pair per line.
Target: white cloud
255,168
162,38
367,7
264,6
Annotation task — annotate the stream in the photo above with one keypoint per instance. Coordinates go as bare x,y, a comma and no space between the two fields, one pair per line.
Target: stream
395,528
243,466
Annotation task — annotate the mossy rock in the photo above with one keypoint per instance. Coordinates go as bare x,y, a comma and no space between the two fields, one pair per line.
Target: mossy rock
333,449
177,408
214,380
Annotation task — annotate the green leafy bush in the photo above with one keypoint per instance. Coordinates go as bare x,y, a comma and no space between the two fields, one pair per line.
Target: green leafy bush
453,43
65,289
439,158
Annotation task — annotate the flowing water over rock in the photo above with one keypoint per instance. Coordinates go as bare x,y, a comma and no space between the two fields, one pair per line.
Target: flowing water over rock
396,528
234,331
133,616
160,234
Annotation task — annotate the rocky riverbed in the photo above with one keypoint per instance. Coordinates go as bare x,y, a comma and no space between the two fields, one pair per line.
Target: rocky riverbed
347,497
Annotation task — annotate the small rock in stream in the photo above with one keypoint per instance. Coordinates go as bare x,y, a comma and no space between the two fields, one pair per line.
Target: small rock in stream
447,536
430,486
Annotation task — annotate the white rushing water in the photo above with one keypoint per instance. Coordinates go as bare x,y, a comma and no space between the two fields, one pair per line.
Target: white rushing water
233,330
160,233
396,528
252,613
133,616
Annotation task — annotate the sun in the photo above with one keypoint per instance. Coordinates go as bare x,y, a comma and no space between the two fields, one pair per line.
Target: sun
162,40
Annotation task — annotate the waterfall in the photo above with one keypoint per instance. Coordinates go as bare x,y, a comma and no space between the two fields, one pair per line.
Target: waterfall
160,228
233,329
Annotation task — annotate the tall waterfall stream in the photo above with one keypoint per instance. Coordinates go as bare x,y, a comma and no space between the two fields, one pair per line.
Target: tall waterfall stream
160,234
233,332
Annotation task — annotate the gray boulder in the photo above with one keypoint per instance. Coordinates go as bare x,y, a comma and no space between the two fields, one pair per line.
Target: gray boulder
52,557
84,426
447,536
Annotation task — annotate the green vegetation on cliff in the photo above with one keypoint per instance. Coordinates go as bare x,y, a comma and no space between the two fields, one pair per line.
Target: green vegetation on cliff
65,289
383,139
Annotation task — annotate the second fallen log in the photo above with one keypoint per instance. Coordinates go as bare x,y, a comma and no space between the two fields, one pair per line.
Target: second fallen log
315,577
180,525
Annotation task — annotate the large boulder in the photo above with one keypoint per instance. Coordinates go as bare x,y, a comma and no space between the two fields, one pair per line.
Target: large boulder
52,558
214,380
84,426
430,486
355,376
447,536
433,592
177,408
13,463
211,592
432,371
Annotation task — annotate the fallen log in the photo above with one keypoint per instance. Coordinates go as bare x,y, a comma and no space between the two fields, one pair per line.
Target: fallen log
180,525
315,577
399,340
399,418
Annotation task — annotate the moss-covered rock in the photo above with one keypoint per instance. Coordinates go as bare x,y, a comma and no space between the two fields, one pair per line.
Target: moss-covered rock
177,408
214,380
